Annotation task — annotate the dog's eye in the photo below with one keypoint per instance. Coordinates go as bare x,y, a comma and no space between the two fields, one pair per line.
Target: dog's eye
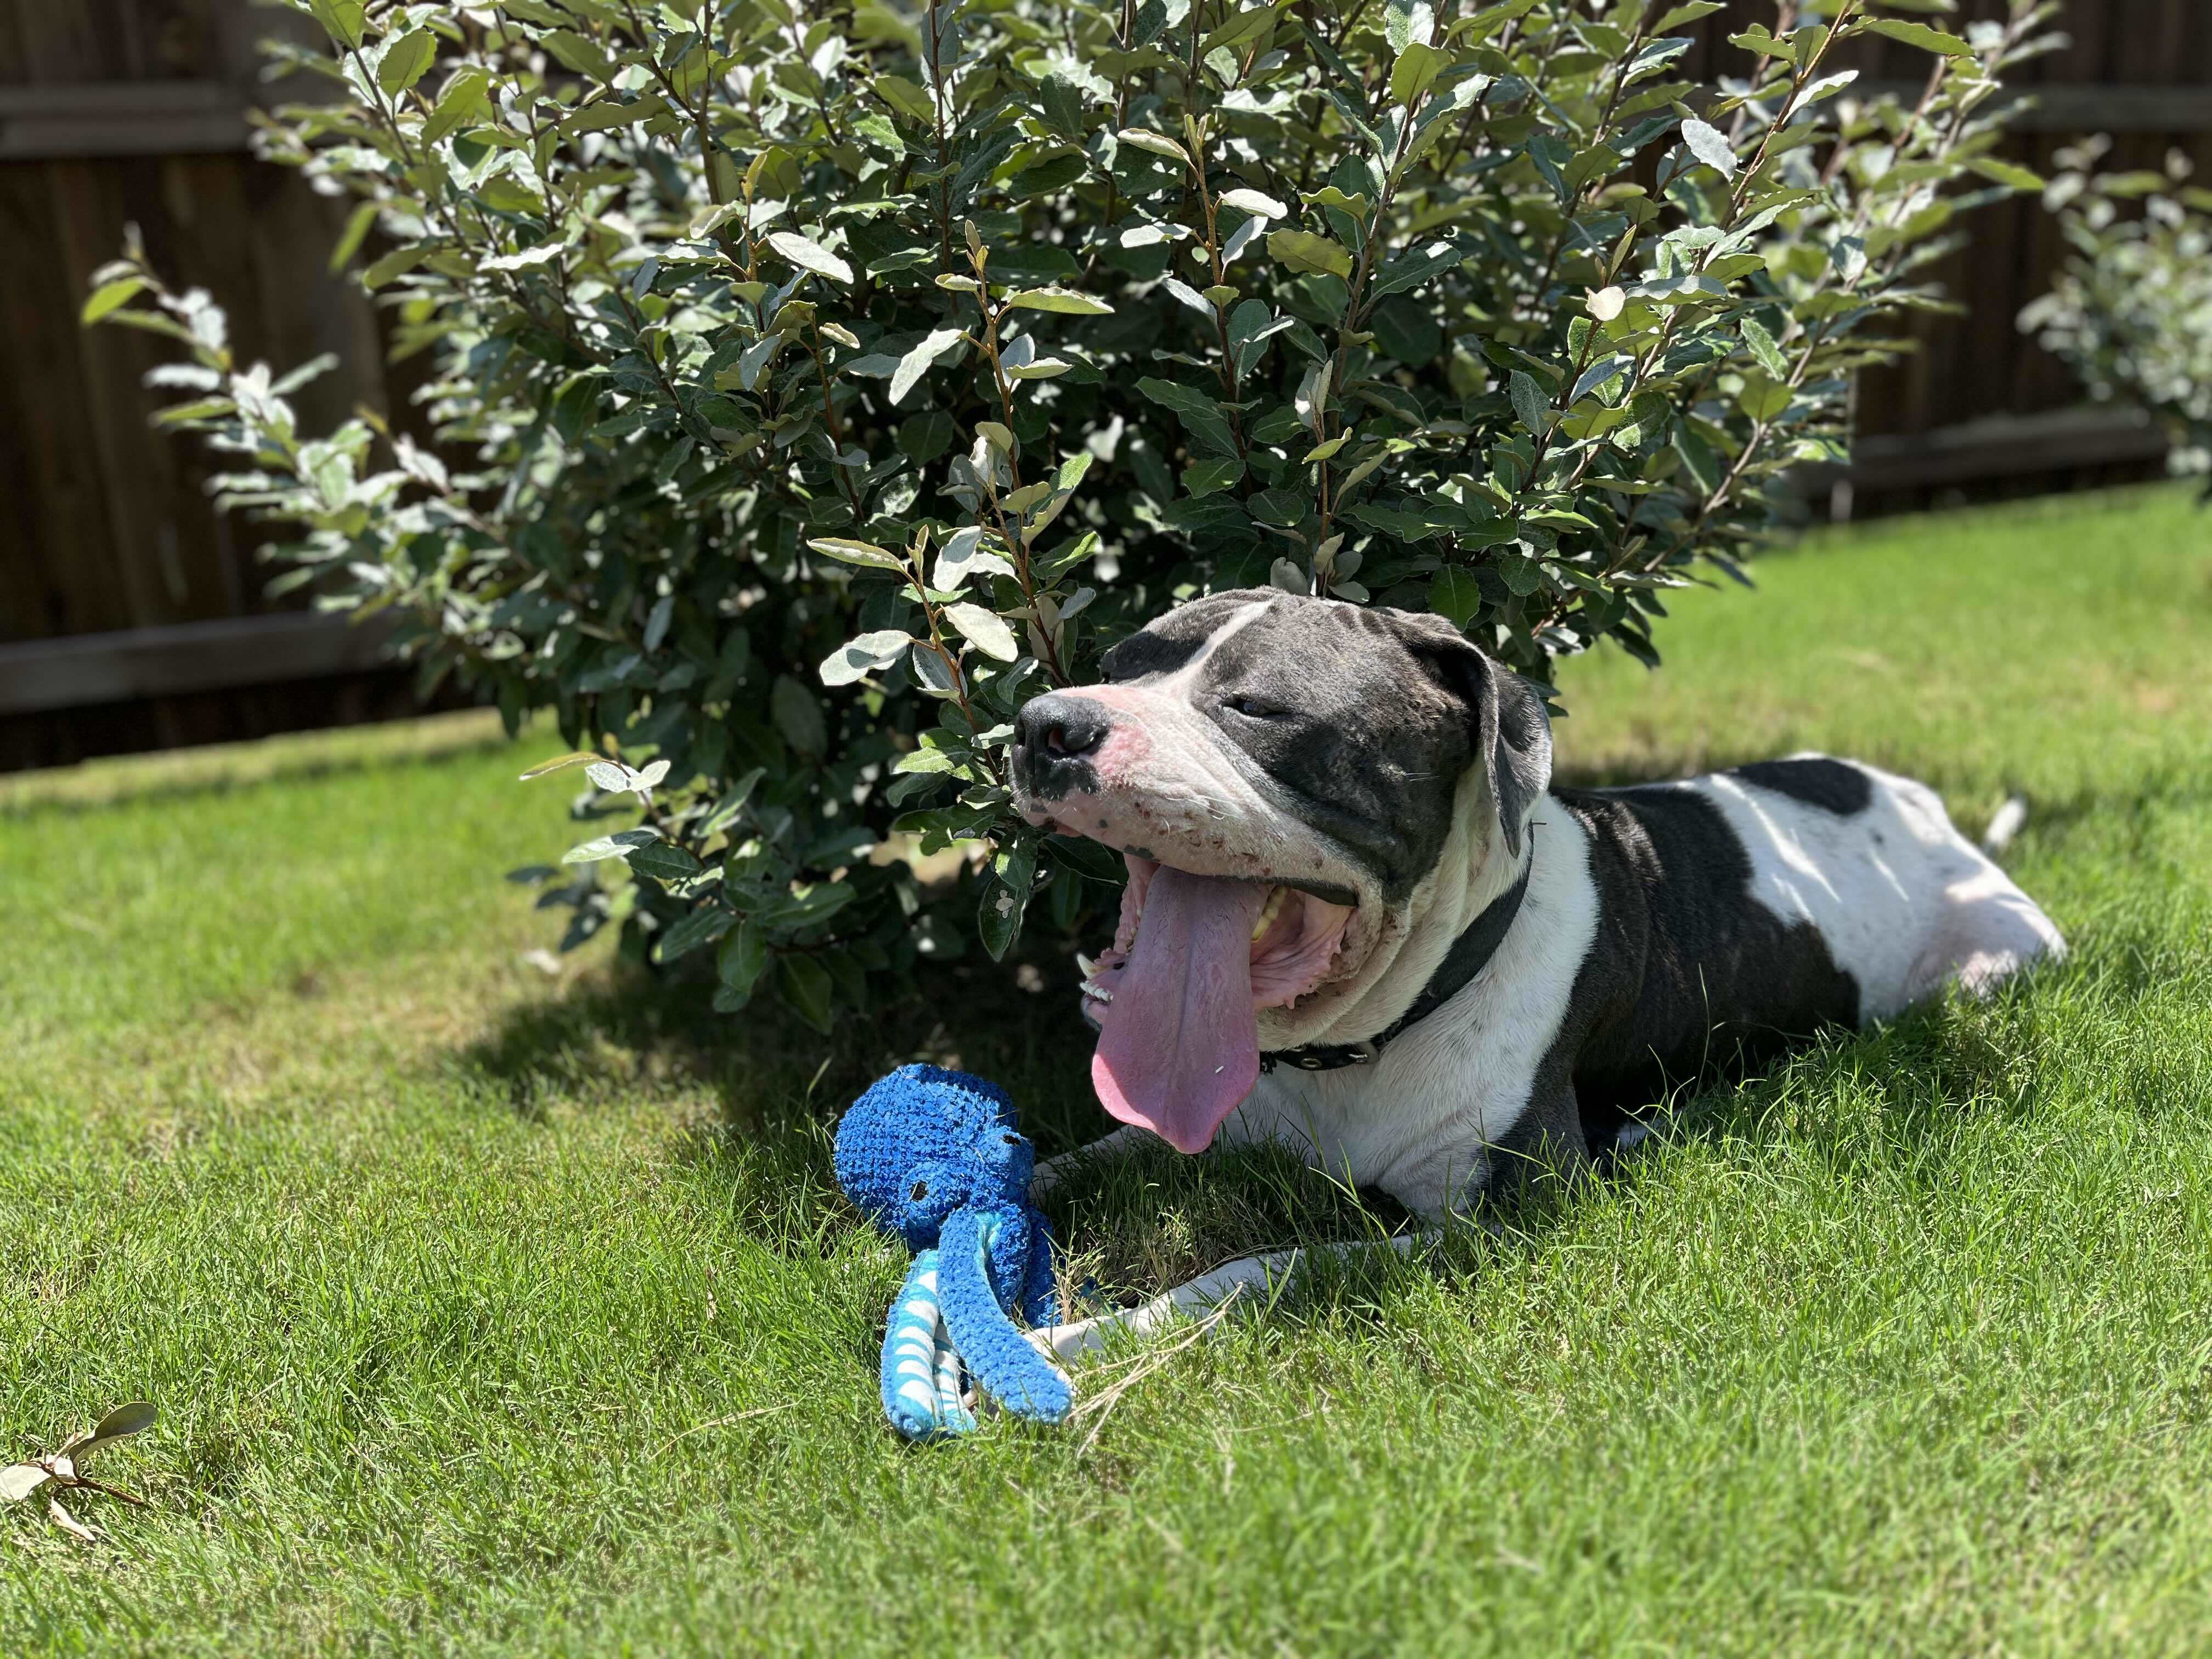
1252,708
920,1191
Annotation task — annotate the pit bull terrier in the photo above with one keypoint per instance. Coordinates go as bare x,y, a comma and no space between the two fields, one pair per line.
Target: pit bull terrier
1360,920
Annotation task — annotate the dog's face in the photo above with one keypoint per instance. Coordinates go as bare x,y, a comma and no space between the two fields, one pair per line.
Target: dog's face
1282,774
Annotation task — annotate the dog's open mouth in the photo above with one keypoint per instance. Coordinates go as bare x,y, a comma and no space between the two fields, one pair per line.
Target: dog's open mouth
1177,999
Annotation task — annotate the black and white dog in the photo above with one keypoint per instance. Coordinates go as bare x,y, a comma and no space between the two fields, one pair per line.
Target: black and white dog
1359,921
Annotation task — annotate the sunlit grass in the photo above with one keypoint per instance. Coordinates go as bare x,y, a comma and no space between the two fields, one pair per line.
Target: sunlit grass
489,1311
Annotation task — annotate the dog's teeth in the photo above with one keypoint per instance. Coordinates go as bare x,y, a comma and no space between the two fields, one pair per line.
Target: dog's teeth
1271,909
1099,993
1087,966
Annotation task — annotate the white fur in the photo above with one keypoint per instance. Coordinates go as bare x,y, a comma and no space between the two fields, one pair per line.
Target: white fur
1902,899
1417,1122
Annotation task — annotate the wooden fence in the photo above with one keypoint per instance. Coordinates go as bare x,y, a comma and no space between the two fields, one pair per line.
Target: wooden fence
131,616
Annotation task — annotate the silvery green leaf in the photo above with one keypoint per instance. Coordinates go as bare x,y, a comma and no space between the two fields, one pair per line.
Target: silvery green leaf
1186,295
918,358
1709,145
1242,237
1821,87
612,776
1066,302
579,757
702,927
656,623
1763,348
757,357
1408,22
529,260
1253,201
809,255
1415,266
607,847
134,1418
869,653
19,1480
985,629
1289,576
963,556
1158,142
663,862
1919,35
1595,376
652,775
865,554
933,675
1529,404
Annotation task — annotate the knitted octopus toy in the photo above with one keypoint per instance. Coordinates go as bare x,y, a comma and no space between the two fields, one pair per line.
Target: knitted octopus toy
933,1156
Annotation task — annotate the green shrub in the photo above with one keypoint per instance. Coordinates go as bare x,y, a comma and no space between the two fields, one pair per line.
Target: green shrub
2131,310
812,387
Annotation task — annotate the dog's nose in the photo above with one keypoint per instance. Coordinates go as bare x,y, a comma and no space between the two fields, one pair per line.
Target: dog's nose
1053,736
1061,725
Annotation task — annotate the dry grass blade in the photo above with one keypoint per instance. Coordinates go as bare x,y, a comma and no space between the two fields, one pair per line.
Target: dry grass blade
69,1524
1104,1401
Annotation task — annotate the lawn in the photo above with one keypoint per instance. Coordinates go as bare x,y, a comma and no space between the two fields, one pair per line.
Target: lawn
493,1309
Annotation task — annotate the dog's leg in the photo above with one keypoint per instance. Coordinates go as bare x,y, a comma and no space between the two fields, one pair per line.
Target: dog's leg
1549,1141
1053,1171
1255,1278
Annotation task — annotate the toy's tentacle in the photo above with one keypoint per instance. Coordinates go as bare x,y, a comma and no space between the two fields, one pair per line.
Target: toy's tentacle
1040,1297
921,1367
996,1354
1006,1248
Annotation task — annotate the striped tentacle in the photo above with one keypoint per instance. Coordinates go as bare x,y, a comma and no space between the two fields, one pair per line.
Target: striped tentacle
922,1375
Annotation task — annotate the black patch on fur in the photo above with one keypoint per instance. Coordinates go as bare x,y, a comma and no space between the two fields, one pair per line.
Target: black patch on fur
1833,786
1688,975
1368,749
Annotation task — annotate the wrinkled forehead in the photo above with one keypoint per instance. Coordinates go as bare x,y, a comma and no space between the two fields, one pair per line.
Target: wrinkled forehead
1262,641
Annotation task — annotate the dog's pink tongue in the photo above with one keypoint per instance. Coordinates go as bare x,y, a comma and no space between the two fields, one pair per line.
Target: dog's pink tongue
1178,1046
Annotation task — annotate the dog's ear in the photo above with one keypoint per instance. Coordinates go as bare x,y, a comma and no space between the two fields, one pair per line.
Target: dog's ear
1511,727
1516,735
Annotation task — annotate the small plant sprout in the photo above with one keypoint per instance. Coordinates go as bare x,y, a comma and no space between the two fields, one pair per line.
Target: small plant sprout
64,1467
614,777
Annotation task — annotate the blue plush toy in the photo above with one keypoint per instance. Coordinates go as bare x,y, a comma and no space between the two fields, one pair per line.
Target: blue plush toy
932,1155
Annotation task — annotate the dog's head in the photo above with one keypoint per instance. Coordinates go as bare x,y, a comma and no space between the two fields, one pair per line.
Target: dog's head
1287,778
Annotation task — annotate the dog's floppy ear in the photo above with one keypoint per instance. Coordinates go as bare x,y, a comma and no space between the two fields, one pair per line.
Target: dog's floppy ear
1511,727
1515,734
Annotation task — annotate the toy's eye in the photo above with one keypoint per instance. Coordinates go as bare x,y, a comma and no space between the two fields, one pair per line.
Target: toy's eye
1009,1140
920,1191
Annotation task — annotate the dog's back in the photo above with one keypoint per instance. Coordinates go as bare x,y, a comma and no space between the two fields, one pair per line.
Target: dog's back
1749,908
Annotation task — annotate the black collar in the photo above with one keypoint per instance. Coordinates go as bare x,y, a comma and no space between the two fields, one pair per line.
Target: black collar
1469,954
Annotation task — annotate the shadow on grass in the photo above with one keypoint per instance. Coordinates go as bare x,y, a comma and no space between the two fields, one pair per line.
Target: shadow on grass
1895,1097
620,1029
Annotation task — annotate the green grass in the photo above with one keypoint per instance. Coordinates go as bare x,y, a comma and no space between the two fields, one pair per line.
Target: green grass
489,1311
